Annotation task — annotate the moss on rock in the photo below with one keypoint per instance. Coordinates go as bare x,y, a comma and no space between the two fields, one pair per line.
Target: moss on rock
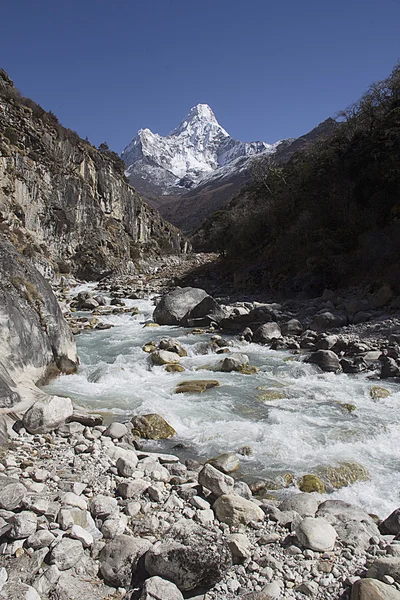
152,427
311,483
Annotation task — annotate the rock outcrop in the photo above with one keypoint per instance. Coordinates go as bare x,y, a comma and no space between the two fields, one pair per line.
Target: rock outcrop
67,204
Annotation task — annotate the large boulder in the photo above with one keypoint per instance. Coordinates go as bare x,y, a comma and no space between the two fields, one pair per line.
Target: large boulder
353,525
119,559
152,427
214,480
234,510
207,308
156,588
48,414
12,492
175,305
190,556
326,360
372,589
328,320
267,332
304,504
316,534
386,565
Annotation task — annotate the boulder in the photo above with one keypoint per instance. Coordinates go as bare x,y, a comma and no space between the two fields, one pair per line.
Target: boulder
311,483
389,367
227,463
304,504
47,415
233,510
240,545
196,386
328,320
316,534
116,430
372,589
152,427
12,492
23,525
173,307
326,360
234,362
66,554
190,556
385,566
214,480
119,559
377,392
292,327
206,308
164,357
337,476
391,525
353,525
156,588
267,332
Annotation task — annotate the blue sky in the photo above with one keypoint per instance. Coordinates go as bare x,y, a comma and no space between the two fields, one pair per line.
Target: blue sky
268,69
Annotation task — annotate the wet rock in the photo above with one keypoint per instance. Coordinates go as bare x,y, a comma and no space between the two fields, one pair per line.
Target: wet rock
116,430
377,392
311,483
119,559
66,554
316,534
342,475
233,510
227,463
304,504
234,362
173,307
152,427
190,556
372,589
267,332
47,415
196,386
214,480
326,360
174,368
271,395
156,588
389,367
205,312
12,492
164,357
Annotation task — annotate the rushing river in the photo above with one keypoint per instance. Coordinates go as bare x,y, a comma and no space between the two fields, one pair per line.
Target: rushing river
307,428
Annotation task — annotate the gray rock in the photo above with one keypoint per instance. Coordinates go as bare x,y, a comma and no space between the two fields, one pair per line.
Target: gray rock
173,307
132,489
392,523
19,591
316,534
304,504
242,489
267,332
47,415
328,320
385,566
41,539
389,367
23,525
114,526
233,510
164,357
372,589
127,465
215,481
189,555
156,588
47,580
353,525
239,545
119,559
81,534
66,554
103,506
12,492
233,362
326,360
227,463
116,430
292,327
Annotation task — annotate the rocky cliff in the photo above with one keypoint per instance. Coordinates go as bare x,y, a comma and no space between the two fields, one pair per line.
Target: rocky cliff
65,203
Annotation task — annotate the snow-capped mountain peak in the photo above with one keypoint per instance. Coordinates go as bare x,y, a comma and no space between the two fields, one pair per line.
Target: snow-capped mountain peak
195,150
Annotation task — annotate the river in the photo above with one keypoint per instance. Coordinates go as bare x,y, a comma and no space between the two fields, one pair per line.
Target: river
307,427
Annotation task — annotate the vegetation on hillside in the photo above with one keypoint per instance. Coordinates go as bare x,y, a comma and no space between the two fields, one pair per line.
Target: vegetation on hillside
330,217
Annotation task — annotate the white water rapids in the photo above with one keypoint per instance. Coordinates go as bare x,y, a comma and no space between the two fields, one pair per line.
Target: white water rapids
306,429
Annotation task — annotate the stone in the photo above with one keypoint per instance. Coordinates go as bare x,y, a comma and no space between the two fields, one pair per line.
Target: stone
119,559
84,418
389,367
156,588
71,499
126,465
377,392
353,525
19,591
385,566
227,463
267,332
152,427
114,526
372,589
311,483
196,386
47,580
214,480
23,525
391,524
45,416
239,545
164,357
316,534
116,430
233,510
325,359
328,320
103,506
233,362
304,504
66,554
174,306
12,492
292,327
342,475
41,539
242,489
78,533
189,555
207,311
132,489
174,368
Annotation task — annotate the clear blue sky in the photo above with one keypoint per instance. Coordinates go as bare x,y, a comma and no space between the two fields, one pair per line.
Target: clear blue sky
268,69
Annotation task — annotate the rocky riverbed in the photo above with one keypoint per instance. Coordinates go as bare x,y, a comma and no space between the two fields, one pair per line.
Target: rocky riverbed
91,510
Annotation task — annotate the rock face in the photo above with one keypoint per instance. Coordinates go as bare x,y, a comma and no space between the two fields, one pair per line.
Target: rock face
35,339
66,201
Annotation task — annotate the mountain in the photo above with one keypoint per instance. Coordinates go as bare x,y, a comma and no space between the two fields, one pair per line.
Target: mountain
199,167
66,203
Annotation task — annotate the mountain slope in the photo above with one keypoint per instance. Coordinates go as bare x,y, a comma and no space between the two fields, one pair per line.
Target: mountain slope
64,202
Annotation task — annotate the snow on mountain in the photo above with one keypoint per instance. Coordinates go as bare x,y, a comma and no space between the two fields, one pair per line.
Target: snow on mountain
193,152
